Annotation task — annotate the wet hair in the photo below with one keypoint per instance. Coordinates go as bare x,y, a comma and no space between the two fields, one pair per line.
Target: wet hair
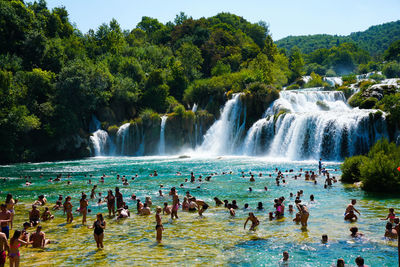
340,263
17,234
391,209
359,261
8,198
100,216
354,230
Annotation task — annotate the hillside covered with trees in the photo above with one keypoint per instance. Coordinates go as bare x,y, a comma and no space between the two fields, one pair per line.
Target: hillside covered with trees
54,78
375,40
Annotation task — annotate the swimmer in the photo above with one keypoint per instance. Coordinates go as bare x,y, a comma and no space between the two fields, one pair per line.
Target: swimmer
110,198
34,215
260,206
10,202
303,213
232,211
99,226
391,216
68,209
83,205
355,233
185,204
160,193
324,239
5,219
123,213
46,215
3,248
350,216
175,203
58,204
38,238
351,207
15,243
119,198
148,202
41,201
218,202
159,225
167,209
145,210
390,232
285,260
254,221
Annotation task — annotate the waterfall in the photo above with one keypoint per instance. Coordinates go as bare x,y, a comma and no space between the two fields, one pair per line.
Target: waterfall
100,140
194,108
225,134
101,143
161,144
332,81
122,134
308,124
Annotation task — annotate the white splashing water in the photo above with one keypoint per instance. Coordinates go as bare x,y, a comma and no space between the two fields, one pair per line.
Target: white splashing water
194,108
161,144
122,134
224,135
332,81
101,142
314,124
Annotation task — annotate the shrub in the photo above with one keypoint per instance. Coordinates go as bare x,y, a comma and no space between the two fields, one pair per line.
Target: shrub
351,169
377,171
113,129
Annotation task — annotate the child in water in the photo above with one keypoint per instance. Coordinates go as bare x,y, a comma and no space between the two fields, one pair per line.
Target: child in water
254,221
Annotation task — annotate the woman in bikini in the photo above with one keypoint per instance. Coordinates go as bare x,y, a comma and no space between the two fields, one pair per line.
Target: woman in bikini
99,225
10,202
391,216
159,225
110,203
68,209
83,204
13,253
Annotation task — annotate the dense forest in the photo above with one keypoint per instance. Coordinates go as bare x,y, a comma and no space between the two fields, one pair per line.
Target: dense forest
54,78
375,40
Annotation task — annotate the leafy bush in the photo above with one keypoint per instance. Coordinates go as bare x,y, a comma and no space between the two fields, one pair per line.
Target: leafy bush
113,129
293,87
391,69
378,170
351,169
377,77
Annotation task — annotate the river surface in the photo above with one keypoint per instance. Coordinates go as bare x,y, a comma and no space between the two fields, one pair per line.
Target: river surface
215,238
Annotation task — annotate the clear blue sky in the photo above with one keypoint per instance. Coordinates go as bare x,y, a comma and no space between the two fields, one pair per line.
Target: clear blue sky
285,17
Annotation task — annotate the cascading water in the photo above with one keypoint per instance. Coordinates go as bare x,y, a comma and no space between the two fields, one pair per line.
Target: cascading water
101,143
100,140
332,81
122,134
161,144
225,134
308,124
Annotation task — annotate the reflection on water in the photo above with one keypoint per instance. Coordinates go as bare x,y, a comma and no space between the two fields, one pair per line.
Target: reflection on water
215,239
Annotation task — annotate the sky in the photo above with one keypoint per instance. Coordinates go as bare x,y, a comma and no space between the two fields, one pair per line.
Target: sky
285,17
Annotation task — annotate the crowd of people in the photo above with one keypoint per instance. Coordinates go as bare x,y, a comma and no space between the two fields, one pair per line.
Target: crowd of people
118,208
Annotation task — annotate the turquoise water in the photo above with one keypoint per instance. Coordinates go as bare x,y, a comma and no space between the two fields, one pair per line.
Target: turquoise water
216,238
